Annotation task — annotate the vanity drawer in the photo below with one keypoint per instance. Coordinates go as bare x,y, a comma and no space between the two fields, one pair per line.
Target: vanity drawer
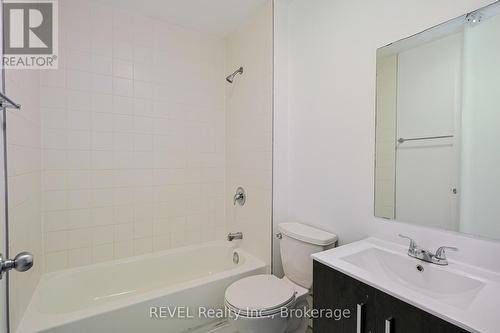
372,311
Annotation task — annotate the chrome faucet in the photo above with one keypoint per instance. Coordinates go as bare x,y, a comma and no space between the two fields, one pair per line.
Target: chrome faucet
234,235
438,258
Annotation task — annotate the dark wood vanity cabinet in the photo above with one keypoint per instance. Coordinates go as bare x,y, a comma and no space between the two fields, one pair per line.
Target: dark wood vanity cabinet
371,310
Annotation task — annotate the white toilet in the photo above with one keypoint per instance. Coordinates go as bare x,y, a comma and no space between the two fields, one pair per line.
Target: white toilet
261,303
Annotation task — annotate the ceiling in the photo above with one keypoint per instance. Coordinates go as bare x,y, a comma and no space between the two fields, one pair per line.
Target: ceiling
216,17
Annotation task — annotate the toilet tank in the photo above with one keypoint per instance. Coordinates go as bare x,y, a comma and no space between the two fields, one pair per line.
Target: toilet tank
297,244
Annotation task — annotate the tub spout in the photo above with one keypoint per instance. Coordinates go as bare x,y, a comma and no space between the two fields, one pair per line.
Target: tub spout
234,235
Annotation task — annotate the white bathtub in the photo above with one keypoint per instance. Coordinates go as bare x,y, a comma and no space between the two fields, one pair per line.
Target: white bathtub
118,296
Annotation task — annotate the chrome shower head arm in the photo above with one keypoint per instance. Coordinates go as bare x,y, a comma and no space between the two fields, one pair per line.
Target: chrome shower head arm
230,78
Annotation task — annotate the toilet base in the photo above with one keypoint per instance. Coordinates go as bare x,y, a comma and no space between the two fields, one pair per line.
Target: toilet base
272,324
299,325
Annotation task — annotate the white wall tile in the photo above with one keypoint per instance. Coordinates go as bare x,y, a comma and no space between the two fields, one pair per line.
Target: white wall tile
103,252
102,84
123,249
79,218
123,50
53,78
123,69
123,87
79,100
143,246
77,140
101,197
79,80
56,220
79,257
56,241
102,103
248,136
101,121
78,159
78,60
109,123
101,64
123,232
123,105
79,238
102,141
101,160
52,97
78,120
103,235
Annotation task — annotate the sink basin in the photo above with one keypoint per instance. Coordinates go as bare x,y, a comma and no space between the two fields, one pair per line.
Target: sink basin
440,283
460,293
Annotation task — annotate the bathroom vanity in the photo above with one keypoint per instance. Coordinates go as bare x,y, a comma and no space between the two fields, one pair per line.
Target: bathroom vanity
387,291
377,310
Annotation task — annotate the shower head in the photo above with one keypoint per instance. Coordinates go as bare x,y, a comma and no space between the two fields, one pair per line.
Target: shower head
230,78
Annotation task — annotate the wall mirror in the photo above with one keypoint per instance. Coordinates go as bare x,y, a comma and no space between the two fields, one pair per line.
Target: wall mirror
438,126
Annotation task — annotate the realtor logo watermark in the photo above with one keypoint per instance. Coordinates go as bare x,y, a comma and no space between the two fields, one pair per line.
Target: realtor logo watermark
30,34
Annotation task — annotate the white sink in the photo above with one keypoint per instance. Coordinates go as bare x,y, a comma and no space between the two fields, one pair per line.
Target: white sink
438,282
460,293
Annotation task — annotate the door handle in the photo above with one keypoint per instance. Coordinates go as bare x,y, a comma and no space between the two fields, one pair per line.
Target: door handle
360,310
21,263
389,325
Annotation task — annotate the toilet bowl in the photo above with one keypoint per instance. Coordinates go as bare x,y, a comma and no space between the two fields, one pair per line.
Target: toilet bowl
261,303
267,304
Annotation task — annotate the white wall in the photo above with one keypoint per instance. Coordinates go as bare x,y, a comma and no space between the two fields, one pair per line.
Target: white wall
249,131
133,137
280,127
481,157
331,115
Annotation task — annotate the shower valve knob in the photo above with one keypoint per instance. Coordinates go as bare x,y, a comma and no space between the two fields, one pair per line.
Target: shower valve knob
240,197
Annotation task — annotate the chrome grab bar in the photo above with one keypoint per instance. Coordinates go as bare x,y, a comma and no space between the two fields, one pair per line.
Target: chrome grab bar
403,140
10,103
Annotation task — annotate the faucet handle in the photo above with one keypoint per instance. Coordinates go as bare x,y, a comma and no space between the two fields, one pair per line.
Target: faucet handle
413,244
240,196
441,252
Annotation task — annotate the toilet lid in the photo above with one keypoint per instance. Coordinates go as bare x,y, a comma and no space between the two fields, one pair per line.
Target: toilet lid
262,293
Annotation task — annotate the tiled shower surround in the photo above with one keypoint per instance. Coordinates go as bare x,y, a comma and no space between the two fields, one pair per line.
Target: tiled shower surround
133,137
122,150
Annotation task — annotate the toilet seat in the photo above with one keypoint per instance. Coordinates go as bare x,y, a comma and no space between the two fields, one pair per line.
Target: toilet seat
259,296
